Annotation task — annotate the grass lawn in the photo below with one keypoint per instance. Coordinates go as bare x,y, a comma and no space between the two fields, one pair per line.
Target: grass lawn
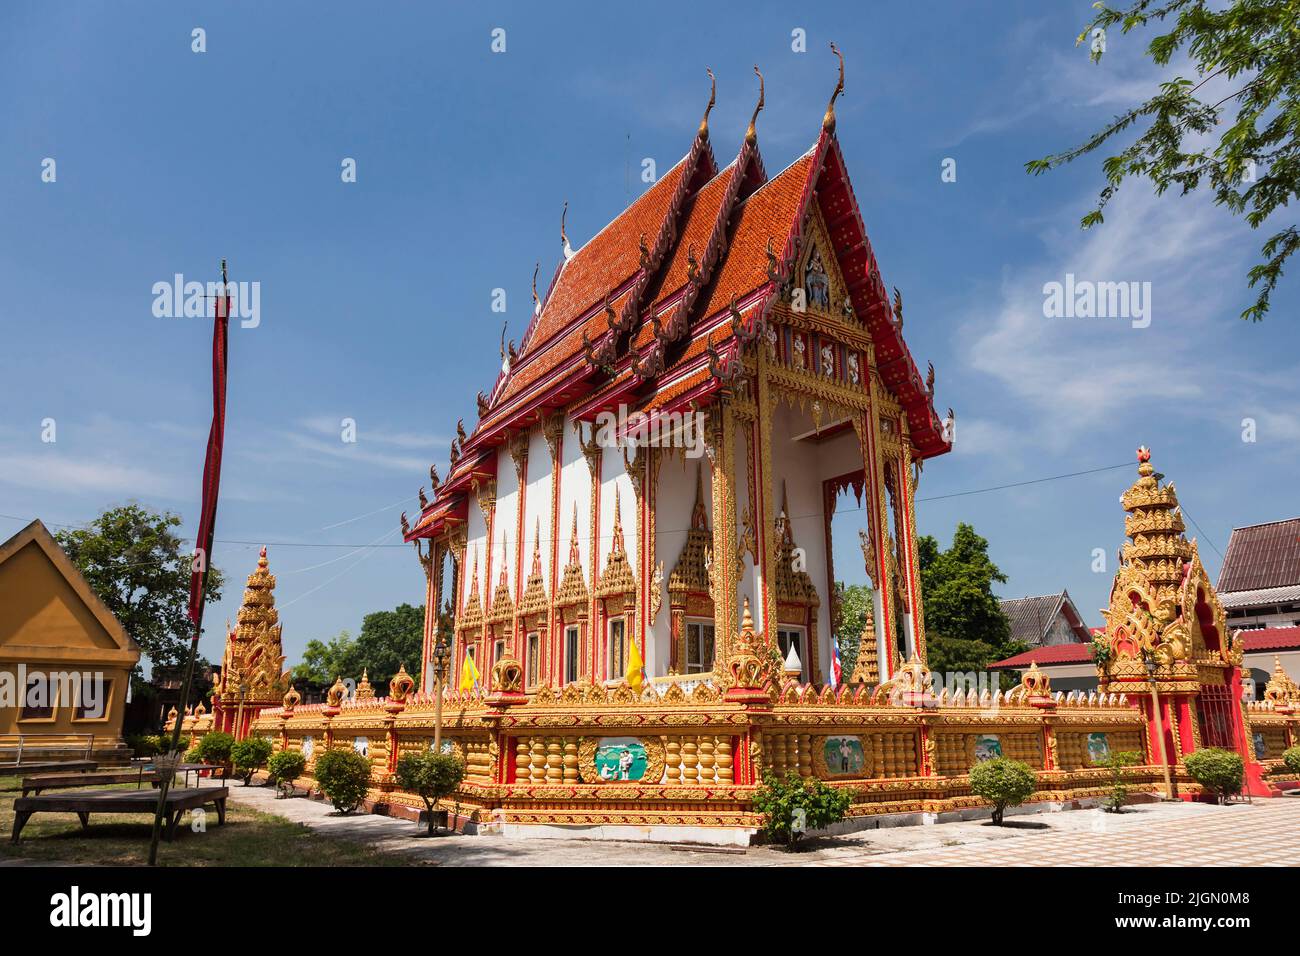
249,838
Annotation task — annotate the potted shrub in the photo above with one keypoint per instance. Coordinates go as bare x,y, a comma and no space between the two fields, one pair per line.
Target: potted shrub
792,806
249,756
1115,762
1002,782
431,776
1221,772
344,777
284,768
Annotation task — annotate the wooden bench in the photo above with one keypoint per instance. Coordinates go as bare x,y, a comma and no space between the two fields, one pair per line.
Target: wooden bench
46,766
85,802
102,778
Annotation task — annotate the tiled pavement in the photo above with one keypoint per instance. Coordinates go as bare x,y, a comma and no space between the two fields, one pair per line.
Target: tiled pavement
1266,833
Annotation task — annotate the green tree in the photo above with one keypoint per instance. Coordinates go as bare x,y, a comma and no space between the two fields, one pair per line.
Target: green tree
792,806
1003,782
852,611
249,755
322,662
430,776
284,768
966,629
389,639
343,775
1219,771
1117,761
134,561
1242,147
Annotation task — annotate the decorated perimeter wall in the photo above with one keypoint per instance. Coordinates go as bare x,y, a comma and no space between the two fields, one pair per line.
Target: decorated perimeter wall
597,755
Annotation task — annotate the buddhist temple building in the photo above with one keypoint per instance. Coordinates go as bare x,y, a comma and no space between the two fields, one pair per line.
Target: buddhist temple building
634,544
700,381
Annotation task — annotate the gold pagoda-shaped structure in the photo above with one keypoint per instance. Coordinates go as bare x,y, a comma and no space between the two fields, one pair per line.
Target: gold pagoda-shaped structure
252,675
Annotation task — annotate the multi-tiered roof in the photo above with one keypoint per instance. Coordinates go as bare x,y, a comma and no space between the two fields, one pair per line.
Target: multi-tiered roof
653,310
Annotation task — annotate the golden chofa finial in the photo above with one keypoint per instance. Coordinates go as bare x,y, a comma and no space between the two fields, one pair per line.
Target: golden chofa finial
828,121
564,239
751,137
537,303
713,95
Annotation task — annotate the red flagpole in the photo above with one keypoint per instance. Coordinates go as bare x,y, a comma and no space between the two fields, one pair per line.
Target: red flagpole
206,532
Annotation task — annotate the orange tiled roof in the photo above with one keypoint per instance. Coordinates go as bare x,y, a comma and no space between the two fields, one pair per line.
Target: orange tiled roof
605,262
693,206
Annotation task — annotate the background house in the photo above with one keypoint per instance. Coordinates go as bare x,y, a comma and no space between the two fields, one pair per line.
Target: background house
51,622
1046,620
1259,584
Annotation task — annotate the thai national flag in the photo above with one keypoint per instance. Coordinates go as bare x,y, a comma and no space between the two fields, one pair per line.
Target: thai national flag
836,672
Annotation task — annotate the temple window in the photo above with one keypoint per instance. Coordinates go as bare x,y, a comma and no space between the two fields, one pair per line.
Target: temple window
699,646
498,650
617,648
787,637
534,656
571,653
100,709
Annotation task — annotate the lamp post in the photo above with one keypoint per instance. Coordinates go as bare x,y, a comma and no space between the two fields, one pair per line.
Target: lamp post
239,718
441,657
1152,665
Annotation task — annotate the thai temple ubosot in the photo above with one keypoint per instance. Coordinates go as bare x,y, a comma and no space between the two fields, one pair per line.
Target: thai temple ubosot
635,544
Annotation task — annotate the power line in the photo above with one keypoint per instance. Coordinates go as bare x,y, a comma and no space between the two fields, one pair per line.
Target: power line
361,547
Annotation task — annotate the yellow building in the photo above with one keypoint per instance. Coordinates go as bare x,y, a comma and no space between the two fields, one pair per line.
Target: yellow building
65,660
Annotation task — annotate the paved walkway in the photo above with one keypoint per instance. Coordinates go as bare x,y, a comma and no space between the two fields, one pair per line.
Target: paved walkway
1266,833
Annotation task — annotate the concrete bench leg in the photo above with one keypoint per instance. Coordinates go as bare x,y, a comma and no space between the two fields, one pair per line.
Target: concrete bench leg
84,817
221,813
172,823
20,821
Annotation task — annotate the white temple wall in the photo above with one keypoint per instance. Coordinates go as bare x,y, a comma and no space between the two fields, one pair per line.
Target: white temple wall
537,509
575,492
674,502
802,466
503,525
613,474
475,549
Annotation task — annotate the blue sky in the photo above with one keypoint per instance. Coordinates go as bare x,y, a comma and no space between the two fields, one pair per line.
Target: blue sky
376,295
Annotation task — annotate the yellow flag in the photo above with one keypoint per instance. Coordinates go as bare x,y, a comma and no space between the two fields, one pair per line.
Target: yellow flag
635,667
468,674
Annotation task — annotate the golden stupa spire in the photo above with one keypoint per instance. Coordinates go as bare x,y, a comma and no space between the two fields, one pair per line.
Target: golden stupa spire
1154,525
252,659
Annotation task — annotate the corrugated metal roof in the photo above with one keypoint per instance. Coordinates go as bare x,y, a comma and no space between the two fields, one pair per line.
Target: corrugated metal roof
1262,556
1031,616
1284,595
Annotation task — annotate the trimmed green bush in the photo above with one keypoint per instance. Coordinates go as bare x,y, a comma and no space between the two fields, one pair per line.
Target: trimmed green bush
781,801
431,776
143,745
1115,762
286,767
1291,759
249,756
344,777
214,748
1003,782
1219,771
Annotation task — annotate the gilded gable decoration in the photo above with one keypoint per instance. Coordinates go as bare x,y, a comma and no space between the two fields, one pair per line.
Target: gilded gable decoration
617,578
534,600
503,606
573,584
